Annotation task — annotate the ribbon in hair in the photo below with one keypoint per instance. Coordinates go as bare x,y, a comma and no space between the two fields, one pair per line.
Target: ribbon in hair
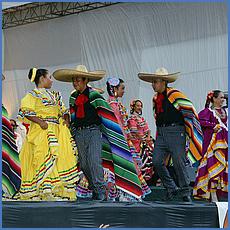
34,71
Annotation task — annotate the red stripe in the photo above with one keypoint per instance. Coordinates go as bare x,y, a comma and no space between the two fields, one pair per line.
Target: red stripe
75,169
196,142
42,169
51,181
12,163
109,116
7,123
24,184
108,164
128,186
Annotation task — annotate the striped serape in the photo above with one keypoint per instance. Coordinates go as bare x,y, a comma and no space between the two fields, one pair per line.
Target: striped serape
192,124
11,171
116,157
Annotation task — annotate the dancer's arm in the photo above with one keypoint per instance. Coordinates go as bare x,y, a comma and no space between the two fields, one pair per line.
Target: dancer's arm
39,121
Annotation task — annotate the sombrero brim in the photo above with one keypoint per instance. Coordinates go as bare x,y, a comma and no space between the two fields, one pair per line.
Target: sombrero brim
67,75
149,77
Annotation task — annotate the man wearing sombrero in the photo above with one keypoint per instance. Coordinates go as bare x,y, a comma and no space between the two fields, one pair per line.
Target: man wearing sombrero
177,123
99,140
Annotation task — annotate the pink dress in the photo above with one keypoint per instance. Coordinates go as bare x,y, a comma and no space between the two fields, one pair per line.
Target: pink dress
139,129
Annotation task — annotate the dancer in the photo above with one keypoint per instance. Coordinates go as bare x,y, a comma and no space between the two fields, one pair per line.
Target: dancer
140,135
48,161
11,170
212,176
116,89
138,126
99,140
176,118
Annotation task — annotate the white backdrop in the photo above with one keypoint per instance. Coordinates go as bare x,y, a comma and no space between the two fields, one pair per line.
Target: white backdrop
6,5
125,39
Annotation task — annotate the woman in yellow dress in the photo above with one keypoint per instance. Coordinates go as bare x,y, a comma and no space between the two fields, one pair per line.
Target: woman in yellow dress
48,159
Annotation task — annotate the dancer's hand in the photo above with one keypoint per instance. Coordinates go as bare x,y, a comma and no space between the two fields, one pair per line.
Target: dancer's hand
216,128
148,140
66,123
43,124
66,120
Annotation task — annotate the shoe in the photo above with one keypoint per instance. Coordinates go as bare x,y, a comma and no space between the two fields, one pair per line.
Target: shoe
94,195
171,194
99,196
187,199
102,197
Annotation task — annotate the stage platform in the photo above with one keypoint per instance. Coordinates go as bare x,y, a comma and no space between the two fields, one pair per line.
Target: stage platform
91,214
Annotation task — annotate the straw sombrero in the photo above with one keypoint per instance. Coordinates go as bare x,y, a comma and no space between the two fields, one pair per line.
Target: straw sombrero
161,73
67,75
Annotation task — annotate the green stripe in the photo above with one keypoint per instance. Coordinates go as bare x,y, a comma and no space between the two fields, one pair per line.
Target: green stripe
124,163
191,157
4,112
126,174
6,185
11,153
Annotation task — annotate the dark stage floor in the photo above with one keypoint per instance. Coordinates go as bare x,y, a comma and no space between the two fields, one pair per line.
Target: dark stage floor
148,214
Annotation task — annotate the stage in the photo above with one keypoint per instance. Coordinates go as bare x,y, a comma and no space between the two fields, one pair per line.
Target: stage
91,214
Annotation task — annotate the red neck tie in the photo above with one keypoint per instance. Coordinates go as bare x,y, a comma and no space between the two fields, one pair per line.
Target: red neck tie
79,102
159,102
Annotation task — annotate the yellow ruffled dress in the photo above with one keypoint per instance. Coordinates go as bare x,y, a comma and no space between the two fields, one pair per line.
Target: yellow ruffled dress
48,157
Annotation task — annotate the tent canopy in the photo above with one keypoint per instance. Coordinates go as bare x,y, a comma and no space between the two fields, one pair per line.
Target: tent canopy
6,5
125,39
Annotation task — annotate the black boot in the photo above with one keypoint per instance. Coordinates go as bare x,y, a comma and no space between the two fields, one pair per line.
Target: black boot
95,195
100,194
187,199
186,194
171,194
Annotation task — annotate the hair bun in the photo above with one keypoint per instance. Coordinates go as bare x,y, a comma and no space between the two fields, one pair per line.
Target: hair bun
210,94
113,81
